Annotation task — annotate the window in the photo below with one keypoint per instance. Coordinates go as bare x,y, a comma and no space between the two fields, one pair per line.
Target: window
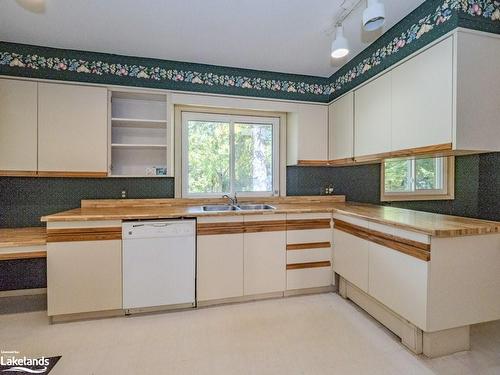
227,154
418,179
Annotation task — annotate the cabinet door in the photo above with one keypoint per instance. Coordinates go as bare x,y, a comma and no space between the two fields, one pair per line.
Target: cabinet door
399,281
307,134
341,125
72,128
219,258
422,99
18,125
219,266
350,258
372,128
84,276
264,254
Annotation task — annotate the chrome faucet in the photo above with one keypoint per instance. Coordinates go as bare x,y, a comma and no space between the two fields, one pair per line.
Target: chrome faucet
232,201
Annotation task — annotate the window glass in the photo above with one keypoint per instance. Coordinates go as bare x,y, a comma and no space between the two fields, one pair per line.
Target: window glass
415,177
208,157
226,154
253,151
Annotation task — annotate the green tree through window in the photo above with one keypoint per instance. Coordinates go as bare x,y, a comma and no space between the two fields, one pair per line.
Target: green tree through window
229,156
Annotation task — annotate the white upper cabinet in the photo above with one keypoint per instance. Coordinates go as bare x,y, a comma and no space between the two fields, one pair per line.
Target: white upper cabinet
422,98
433,102
72,128
18,126
372,127
307,134
341,128
478,92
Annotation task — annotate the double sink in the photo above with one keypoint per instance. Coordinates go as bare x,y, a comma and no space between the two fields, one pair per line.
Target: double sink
236,207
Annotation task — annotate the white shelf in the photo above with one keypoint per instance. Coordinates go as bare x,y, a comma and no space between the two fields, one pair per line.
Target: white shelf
135,123
137,145
138,133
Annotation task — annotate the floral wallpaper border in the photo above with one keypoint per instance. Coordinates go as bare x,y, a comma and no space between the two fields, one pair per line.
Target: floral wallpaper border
426,23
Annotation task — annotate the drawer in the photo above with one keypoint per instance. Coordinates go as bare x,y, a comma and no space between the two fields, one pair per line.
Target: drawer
309,278
308,236
308,255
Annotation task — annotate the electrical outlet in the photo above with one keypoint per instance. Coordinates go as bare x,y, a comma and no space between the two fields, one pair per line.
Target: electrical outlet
124,193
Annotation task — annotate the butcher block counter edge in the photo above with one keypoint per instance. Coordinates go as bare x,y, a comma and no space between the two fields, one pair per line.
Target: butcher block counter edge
432,224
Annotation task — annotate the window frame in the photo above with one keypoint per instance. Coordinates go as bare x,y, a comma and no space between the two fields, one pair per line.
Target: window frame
446,193
231,119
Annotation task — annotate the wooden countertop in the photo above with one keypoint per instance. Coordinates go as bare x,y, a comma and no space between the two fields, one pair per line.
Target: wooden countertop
17,237
422,222
436,225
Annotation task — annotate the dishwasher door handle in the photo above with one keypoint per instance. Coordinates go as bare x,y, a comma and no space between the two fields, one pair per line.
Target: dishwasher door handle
155,225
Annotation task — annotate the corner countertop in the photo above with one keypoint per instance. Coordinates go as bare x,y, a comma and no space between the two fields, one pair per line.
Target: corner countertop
18,237
436,225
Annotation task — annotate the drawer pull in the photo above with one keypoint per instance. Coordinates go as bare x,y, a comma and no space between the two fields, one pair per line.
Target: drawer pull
310,245
298,266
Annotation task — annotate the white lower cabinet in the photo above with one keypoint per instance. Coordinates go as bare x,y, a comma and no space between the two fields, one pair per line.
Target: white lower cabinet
219,262
399,281
84,276
350,258
254,255
264,254
396,279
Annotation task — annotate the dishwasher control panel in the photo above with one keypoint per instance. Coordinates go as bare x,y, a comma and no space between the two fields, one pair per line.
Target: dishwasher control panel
160,228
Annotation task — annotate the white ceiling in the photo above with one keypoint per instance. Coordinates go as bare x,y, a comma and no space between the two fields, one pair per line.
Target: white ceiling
277,35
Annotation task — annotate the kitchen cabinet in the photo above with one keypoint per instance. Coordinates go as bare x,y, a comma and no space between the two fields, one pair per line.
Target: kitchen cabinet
428,290
309,251
399,281
341,128
422,98
307,135
18,127
350,258
264,244
433,103
72,129
372,127
84,271
219,258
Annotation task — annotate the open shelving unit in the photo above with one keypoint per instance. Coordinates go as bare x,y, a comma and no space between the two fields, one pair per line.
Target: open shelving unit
138,134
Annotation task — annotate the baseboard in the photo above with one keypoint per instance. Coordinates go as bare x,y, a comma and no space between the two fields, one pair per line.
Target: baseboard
318,290
86,316
411,336
157,309
240,299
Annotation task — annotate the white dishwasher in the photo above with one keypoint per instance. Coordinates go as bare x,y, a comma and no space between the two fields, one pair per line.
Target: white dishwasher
159,259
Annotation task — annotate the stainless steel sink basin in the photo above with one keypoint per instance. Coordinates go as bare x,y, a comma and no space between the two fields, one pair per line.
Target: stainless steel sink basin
219,207
255,207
